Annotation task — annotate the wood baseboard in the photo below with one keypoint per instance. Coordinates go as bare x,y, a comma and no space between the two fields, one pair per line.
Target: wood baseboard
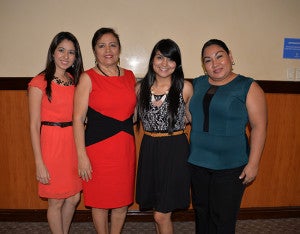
19,215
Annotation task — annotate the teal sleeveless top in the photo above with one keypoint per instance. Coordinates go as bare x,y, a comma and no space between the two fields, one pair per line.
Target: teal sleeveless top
219,120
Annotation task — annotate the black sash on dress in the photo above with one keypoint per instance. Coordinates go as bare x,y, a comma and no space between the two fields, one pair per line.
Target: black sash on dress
100,127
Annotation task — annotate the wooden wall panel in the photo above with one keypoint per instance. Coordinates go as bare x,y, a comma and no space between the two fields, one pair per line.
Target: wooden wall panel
278,182
276,185
17,174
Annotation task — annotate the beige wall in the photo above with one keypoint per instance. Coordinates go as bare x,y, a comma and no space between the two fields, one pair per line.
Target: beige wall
254,30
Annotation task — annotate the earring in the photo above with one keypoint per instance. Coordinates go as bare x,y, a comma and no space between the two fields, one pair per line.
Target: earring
73,65
233,63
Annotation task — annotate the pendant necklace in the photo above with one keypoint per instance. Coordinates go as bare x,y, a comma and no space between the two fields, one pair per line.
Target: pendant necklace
157,100
105,73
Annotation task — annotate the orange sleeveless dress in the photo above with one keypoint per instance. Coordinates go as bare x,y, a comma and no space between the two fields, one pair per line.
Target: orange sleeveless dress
57,144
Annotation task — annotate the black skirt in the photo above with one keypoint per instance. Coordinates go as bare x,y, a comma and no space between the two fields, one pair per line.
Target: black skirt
163,177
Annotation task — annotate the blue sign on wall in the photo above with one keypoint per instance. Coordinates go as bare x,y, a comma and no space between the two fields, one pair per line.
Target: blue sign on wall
291,48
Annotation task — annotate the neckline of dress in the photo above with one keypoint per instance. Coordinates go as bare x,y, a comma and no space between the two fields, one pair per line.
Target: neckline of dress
119,72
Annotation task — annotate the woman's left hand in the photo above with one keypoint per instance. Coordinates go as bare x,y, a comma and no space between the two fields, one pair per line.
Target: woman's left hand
249,174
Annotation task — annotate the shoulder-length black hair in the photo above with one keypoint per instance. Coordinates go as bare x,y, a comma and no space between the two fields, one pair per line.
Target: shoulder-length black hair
168,48
75,70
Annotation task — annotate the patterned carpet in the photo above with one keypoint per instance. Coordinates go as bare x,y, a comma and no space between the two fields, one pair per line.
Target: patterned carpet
256,226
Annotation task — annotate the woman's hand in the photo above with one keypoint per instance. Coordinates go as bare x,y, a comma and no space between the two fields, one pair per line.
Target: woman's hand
249,174
42,174
84,168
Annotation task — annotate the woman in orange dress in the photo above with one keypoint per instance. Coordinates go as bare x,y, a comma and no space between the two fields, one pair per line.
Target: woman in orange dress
106,148
50,108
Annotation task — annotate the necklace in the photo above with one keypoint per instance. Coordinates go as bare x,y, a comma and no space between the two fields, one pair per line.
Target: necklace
157,100
105,73
59,81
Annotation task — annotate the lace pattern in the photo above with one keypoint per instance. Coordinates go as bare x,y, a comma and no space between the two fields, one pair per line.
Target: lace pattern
156,119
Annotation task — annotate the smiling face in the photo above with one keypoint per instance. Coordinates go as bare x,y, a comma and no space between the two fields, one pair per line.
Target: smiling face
107,50
163,66
64,55
217,63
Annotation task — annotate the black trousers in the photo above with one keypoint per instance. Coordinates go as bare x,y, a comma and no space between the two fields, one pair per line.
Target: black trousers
216,197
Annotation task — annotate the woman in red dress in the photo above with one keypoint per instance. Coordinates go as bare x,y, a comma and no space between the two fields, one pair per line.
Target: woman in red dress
105,98
51,107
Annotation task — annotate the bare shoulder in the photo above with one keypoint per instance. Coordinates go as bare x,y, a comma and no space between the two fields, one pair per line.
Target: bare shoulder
84,81
84,77
188,88
137,87
255,91
256,100
188,84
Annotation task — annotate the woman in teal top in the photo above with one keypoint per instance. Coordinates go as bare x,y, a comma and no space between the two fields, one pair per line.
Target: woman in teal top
222,161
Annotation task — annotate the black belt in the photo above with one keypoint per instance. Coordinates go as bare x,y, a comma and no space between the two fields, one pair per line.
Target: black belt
59,124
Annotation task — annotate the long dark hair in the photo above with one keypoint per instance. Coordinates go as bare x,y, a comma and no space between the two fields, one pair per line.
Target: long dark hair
75,70
168,48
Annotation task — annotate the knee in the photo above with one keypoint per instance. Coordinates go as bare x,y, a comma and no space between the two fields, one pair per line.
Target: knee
56,203
120,211
162,218
73,200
